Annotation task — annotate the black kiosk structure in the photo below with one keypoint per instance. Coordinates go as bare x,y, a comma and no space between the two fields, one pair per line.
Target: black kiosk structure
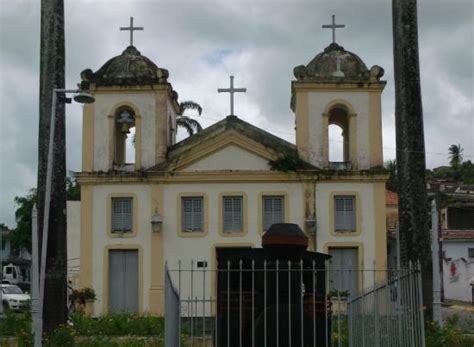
274,293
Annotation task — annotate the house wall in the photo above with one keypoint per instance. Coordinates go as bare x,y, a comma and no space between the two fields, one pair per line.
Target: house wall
73,242
456,283
5,251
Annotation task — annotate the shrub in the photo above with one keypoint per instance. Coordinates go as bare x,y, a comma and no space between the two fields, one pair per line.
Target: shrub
447,336
18,325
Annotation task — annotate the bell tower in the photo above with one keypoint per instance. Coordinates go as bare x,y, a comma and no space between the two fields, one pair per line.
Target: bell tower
133,120
336,88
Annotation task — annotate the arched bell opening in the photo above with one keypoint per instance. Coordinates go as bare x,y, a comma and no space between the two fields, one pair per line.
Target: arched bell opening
125,136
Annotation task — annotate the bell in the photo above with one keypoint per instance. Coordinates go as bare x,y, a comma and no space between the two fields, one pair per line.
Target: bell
125,129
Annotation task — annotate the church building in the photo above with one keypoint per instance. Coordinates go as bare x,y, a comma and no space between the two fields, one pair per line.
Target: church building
227,184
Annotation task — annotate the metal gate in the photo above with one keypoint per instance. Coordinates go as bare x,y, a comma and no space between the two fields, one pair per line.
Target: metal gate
389,313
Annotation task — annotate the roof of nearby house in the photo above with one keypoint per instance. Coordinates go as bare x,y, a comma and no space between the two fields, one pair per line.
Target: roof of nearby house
457,235
391,198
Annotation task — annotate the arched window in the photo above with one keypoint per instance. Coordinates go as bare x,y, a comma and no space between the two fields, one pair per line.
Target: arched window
338,136
124,144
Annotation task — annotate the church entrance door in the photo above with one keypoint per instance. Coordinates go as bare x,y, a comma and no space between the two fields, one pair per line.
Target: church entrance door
343,270
123,281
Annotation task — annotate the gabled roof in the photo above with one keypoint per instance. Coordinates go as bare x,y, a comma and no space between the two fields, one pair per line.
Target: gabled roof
220,134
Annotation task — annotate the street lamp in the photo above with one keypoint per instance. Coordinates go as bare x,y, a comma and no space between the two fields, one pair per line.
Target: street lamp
83,97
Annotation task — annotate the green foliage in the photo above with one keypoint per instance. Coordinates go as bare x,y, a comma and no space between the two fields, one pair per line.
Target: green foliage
189,124
447,336
21,236
343,338
73,189
392,182
455,155
289,163
118,324
463,172
63,336
18,325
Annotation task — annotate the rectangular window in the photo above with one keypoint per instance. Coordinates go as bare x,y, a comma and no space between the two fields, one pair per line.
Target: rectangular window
192,214
4,244
470,252
122,215
345,213
233,213
273,211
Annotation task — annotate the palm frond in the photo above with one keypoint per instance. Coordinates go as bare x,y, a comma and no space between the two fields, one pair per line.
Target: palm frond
189,105
189,124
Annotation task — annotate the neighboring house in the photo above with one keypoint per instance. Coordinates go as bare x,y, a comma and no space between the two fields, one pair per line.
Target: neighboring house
11,255
181,201
457,238
5,249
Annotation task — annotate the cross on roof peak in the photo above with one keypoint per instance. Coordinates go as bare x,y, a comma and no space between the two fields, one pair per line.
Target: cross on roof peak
231,91
131,28
333,26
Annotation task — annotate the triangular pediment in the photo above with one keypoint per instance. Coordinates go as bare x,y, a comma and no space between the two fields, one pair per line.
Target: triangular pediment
229,145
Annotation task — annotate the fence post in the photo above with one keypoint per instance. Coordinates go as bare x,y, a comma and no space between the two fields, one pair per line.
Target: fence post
435,255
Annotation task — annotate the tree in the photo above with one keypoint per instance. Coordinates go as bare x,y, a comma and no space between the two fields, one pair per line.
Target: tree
73,189
21,235
411,162
392,182
455,155
189,124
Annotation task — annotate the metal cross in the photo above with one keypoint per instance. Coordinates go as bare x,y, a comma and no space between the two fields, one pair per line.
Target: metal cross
131,28
231,91
333,26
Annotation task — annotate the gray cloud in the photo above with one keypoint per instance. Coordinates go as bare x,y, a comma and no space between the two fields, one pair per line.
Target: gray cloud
262,42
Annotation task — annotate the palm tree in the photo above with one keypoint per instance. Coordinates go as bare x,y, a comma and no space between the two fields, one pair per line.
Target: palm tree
189,124
455,155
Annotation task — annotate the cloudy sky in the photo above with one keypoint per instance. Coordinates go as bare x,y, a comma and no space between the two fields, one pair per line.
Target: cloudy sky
202,42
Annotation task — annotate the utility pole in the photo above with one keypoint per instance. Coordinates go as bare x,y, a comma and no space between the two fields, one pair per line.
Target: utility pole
413,210
52,71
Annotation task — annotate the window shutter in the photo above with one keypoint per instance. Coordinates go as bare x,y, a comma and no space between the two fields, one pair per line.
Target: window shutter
233,214
273,211
345,213
192,214
122,214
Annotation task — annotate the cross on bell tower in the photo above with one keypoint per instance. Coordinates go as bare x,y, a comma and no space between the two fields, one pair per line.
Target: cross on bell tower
231,91
333,26
131,28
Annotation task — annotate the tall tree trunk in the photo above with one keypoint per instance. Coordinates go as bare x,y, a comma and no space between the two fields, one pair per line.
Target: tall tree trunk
413,206
52,66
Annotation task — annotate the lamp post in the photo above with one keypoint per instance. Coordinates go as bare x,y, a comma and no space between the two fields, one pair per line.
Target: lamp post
82,97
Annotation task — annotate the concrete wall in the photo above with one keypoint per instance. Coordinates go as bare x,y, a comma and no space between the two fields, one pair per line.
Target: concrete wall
456,283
